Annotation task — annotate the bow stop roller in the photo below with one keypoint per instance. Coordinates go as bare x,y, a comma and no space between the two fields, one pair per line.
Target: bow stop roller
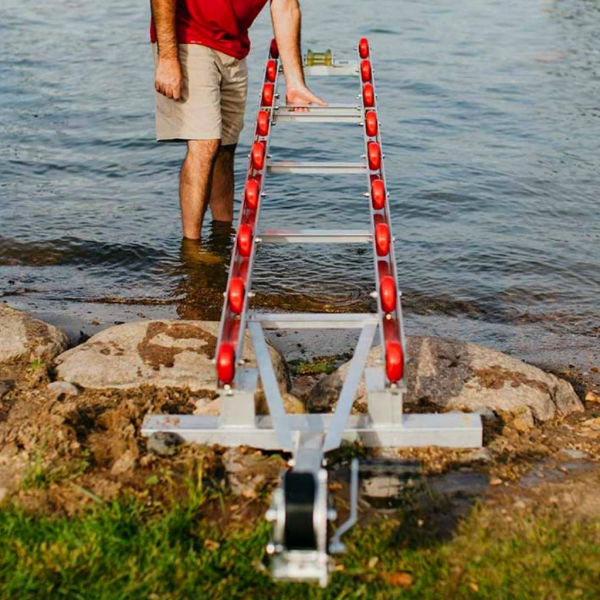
301,510
318,58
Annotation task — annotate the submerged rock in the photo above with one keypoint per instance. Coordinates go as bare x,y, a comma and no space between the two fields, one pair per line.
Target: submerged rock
456,375
23,338
162,353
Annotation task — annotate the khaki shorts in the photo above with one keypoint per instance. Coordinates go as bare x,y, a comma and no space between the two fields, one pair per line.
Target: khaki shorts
213,97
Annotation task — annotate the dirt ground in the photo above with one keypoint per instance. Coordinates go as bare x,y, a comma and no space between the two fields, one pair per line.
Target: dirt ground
60,453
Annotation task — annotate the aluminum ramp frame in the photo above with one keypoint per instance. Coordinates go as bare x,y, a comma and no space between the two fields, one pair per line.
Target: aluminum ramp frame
385,424
301,548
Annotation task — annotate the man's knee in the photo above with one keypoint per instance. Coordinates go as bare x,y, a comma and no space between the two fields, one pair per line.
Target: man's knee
203,150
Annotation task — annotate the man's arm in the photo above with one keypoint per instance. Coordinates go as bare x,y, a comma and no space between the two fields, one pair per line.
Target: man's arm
167,80
286,25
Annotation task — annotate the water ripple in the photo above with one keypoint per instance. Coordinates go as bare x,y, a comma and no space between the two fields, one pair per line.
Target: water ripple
489,120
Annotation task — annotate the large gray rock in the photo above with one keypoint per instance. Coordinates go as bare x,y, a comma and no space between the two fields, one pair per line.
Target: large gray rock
457,375
160,353
23,338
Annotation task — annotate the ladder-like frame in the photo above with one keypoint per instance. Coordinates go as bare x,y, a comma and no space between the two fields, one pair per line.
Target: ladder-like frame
309,436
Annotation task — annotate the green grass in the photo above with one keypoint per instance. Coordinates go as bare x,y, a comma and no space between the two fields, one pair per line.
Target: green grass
126,550
38,476
317,365
36,364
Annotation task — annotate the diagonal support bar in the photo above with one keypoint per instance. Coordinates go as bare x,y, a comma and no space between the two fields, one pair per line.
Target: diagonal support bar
355,372
270,386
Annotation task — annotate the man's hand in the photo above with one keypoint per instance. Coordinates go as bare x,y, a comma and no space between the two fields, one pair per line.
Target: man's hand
301,96
286,25
167,80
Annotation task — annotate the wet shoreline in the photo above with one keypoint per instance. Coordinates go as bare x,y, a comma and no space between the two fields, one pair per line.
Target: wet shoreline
568,355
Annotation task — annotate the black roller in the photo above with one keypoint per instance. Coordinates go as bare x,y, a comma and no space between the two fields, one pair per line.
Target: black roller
299,493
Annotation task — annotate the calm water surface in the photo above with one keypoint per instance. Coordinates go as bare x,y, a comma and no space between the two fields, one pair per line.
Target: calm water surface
491,126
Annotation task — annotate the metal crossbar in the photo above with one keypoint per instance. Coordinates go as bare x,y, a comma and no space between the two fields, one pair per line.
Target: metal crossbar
316,236
340,113
316,168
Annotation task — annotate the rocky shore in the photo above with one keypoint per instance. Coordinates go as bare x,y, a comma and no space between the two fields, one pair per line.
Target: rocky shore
70,418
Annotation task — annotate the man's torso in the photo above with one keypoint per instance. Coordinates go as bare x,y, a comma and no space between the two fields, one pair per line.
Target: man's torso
219,24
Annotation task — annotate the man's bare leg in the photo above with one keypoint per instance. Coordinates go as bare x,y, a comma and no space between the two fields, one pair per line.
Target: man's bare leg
195,184
222,188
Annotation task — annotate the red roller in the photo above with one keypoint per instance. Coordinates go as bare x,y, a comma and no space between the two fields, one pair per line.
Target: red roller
262,122
236,295
371,123
383,268
251,193
244,239
365,70
378,193
226,363
394,361
274,50
374,155
232,330
271,70
387,292
267,94
258,155
242,270
391,330
363,47
368,95
382,239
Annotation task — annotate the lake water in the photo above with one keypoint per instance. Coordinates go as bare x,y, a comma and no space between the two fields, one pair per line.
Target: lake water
491,129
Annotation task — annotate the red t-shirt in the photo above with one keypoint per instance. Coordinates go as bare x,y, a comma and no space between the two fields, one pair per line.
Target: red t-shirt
219,24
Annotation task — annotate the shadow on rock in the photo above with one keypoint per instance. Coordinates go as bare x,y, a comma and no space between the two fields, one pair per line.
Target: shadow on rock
429,507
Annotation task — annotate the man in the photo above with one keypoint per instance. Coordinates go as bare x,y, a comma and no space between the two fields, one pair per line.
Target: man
200,49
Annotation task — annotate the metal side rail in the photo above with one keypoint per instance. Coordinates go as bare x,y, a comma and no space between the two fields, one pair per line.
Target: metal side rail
301,509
